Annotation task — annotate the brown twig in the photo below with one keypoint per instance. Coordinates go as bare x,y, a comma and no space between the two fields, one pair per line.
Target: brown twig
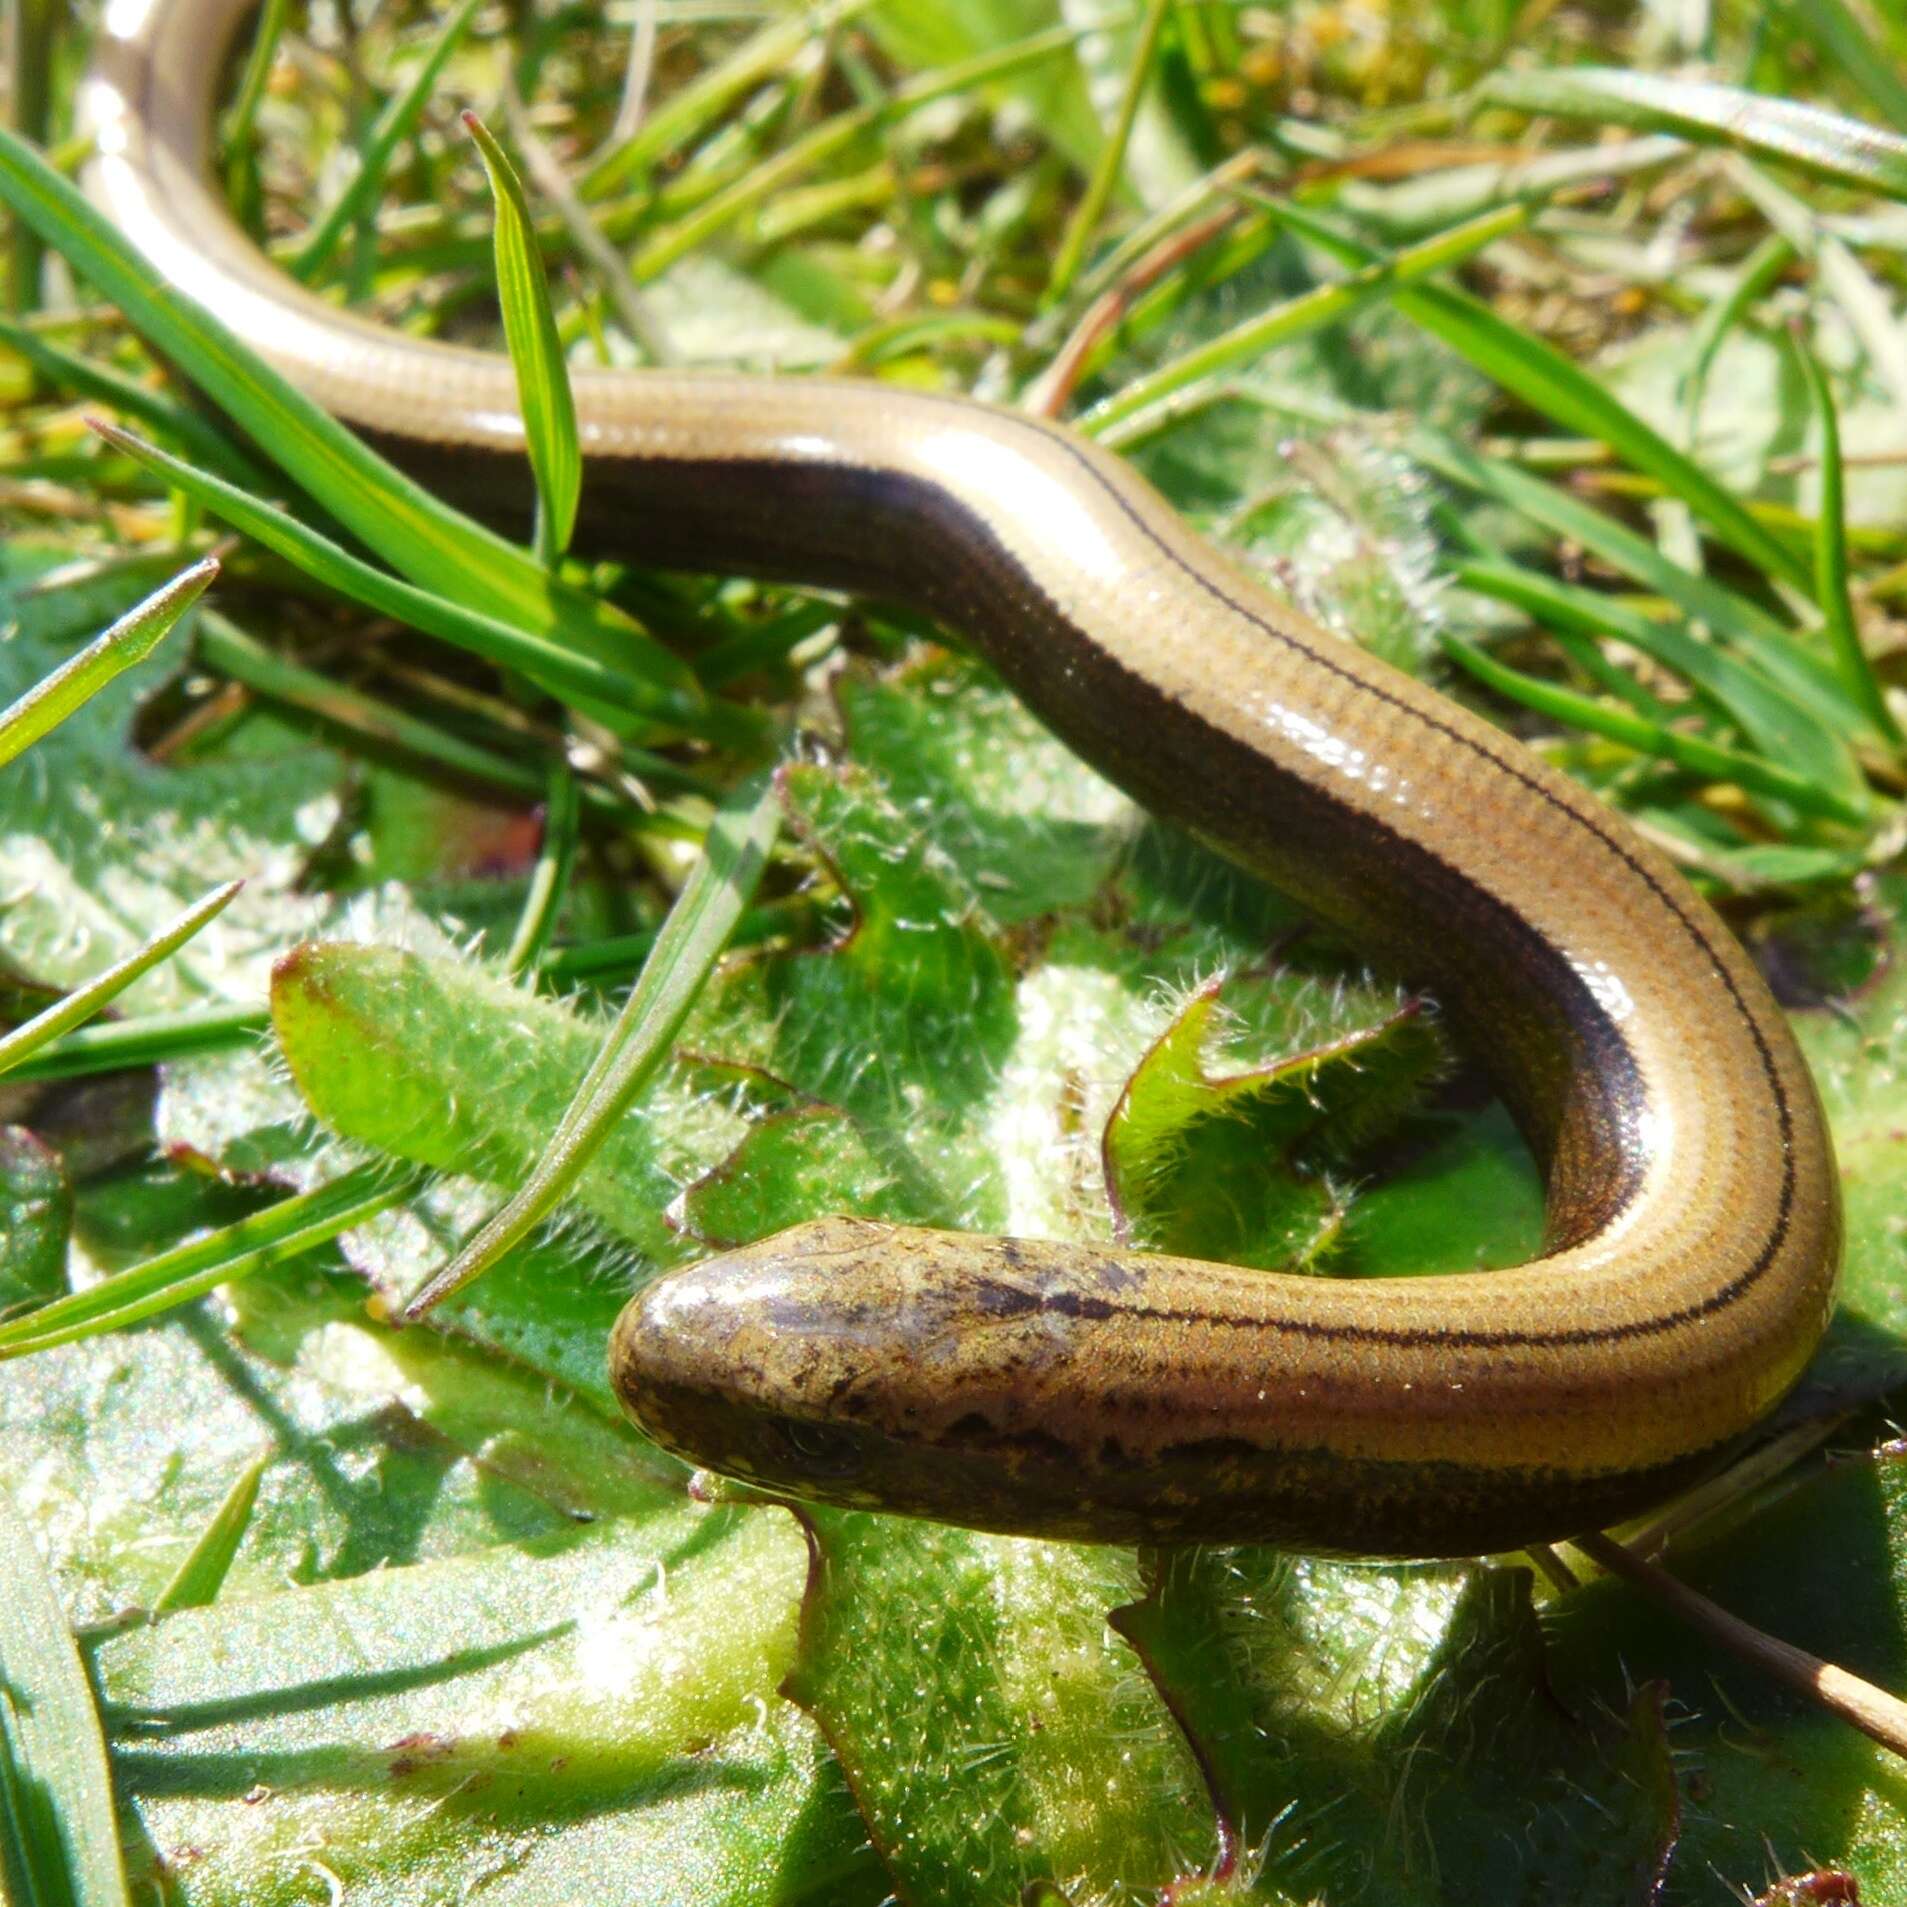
1878,1715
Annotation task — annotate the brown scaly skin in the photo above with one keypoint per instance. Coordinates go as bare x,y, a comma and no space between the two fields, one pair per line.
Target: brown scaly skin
1694,1208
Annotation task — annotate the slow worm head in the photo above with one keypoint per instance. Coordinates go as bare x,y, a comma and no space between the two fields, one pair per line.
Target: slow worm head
1068,1390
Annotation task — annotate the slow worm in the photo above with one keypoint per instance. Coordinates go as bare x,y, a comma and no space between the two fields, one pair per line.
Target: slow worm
1073,1390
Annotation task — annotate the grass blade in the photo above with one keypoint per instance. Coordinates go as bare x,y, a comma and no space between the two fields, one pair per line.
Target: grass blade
374,161
1308,311
691,941
1827,144
1832,27
1732,618
418,535
1105,176
237,141
579,678
130,640
1779,727
1549,382
702,101
550,879
1830,557
283,1231
87,379
1629,730
112,1046
202,1574
84,1002
529,328
59,1845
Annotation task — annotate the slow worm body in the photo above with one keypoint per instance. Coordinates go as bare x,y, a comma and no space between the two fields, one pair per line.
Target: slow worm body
1075,1391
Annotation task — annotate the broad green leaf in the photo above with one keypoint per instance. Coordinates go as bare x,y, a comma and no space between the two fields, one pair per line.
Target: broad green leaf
1378,1735
448,1065
1040,1755
1033,827
620,1681
1817,1804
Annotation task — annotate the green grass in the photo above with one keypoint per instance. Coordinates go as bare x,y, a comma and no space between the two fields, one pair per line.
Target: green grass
1552,358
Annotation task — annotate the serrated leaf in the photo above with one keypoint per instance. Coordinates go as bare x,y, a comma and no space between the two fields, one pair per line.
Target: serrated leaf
1211,1156
448,1065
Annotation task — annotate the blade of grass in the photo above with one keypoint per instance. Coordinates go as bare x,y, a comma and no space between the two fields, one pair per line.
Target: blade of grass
76,681
1629,730
679,117
1830,556
393,127
59,1843
836,134
686,950
1756,276
30,30
1832,28
241,156
281,1232
602,259
1308,311
1091,208
562,671
418,535
1777,726
549,881
1543,378
529,329
791,920
224,646
87,379
199,1578
84,1002
116,1045
1807,677
1869,308
1827,144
